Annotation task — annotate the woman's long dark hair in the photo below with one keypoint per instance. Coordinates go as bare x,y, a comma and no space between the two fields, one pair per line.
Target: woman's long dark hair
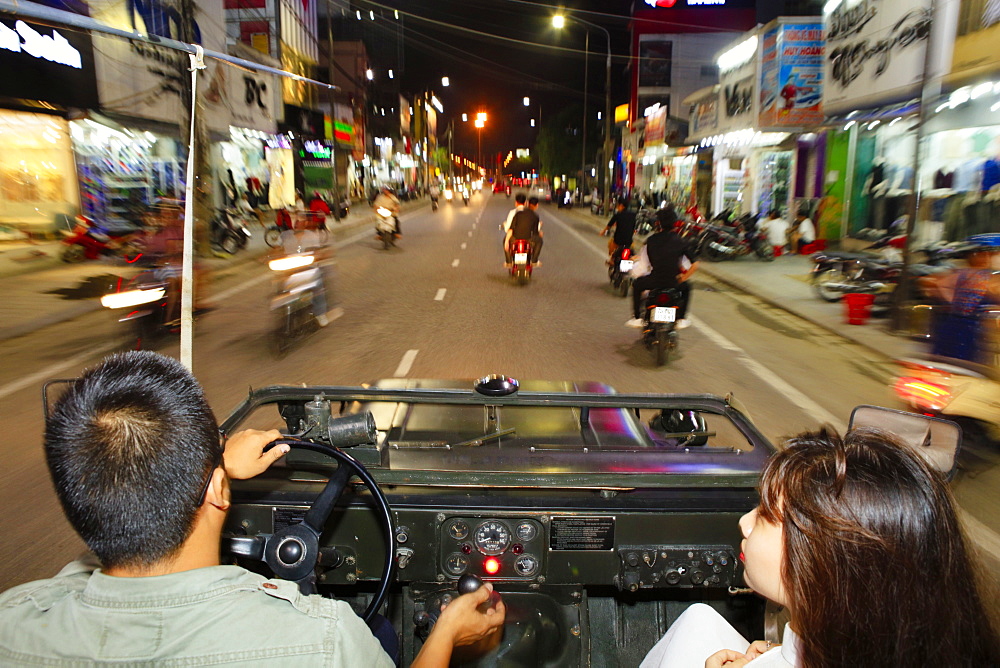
876,568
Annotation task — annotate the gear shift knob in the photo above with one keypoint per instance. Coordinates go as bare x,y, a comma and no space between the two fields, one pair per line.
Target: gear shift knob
469,583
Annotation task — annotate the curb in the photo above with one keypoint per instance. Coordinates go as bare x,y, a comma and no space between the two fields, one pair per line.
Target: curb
339,231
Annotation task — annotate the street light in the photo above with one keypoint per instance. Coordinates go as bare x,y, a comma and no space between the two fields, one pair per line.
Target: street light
445,81
527,101
558,21
480,124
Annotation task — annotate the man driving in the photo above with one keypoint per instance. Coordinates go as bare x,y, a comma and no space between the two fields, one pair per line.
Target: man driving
137,462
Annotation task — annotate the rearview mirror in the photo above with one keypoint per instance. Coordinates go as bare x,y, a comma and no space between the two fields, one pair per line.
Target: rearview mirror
936,440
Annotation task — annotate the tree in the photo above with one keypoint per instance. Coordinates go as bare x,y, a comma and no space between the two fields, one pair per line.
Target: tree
558,144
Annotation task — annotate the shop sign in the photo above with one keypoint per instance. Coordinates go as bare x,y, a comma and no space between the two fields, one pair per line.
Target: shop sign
147,81
45,64
705,116
235,97
404,116
656,123
315,150
655,56
737,97
874,51
791,76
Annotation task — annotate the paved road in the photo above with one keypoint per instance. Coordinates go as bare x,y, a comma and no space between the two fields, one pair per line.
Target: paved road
441,305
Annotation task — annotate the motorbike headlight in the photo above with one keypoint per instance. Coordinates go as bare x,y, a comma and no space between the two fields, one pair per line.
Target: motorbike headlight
290,262
384,212
131,298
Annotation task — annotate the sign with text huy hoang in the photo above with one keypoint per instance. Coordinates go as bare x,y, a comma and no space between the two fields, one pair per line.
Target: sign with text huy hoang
791,76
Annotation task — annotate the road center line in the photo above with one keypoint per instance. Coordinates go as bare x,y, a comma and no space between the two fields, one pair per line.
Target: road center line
440,295
473,226
470,233
464,245
405,363
454,262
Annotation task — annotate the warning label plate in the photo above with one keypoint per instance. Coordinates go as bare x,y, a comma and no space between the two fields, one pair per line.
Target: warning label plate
582,533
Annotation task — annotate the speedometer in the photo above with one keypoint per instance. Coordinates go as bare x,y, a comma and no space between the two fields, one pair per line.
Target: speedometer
492,537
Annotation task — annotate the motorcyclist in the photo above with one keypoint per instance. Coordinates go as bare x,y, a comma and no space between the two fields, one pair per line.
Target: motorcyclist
624,223
673,260
386,198
525,224
435,192
958,332
304,238
520,203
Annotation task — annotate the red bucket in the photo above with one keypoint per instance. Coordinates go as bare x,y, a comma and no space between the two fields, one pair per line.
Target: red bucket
859,308
778,250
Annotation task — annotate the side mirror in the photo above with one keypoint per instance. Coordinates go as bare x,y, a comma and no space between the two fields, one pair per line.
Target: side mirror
936,440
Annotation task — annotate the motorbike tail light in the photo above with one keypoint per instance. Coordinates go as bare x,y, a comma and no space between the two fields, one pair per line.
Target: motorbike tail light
626,253
132,298
662,299
290,262
491,566
922,394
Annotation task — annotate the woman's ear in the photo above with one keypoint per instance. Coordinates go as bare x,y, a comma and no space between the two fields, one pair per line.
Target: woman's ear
218,490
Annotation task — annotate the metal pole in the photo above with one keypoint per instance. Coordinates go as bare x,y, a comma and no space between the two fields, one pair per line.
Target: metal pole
187,261
900,295
583,147
607,127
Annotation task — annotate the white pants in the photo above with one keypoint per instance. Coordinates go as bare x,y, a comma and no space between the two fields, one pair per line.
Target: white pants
697,634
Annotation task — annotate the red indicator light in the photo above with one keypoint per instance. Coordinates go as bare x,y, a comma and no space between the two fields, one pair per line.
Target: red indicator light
491,566
517,548
466,548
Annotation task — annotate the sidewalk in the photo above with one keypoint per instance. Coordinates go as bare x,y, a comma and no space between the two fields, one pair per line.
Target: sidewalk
39,290
784,283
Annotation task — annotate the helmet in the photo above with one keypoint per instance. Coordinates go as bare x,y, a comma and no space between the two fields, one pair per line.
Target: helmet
987,242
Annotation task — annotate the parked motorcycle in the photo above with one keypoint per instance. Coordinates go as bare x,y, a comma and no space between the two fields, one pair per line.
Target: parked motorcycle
89,240
722,242
227,232
150,304
836,273
297,278
659,332
620,270
521,268
385,225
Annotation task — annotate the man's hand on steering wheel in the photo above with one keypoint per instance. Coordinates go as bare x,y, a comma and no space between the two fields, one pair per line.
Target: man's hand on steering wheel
244,455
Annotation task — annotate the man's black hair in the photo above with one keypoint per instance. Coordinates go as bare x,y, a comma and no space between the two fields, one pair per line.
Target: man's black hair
533,201
520,198
130,446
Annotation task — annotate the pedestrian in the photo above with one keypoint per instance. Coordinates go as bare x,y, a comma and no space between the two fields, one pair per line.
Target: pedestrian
776,229
803,232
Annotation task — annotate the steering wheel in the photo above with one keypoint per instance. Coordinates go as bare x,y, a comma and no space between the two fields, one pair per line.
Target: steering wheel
293,552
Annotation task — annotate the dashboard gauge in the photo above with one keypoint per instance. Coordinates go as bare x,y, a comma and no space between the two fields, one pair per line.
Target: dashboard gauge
458,530
526,531
456,563
492,537
526,565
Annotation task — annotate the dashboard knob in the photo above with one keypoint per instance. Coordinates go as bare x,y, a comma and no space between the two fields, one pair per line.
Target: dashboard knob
697,577
632,559
469,583
672,576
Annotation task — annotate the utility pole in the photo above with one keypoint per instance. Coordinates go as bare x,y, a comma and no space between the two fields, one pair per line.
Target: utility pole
333,115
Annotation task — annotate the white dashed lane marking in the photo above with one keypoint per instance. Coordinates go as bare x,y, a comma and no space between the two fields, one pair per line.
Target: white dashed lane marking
454,262
405,363
440,295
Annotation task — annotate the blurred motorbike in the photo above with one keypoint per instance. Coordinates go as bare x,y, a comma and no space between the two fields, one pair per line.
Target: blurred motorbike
620,270
89,240
724,242
297,278
386,227
149,304
227,232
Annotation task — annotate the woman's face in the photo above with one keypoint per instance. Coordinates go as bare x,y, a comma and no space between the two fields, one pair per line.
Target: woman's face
762,555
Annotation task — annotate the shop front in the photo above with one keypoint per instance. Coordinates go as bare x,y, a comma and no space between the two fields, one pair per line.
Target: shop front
960,166
121,170
48,74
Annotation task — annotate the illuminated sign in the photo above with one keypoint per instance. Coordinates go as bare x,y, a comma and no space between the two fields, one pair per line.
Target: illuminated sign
666,4
738,55
24,38
316,150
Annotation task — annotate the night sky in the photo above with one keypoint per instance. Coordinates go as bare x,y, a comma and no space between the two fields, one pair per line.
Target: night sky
512,54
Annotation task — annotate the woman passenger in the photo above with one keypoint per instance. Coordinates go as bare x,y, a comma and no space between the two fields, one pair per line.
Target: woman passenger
859,540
